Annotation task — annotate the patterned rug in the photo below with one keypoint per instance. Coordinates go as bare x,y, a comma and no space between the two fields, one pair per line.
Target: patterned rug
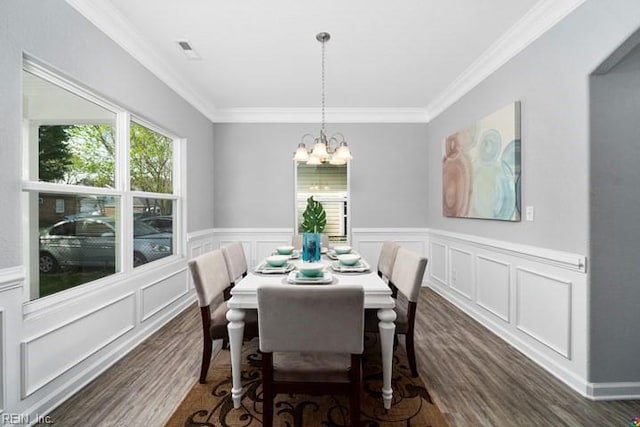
211,404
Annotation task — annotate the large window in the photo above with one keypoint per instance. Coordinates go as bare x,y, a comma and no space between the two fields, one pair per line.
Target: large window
328,184
100,187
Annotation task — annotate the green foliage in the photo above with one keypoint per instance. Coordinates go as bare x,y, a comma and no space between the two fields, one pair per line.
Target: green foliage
54,157
151,158
86,155
314,218
94,155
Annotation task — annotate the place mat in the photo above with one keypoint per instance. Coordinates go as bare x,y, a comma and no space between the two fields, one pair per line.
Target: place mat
360,267
211,404
297,277
265,268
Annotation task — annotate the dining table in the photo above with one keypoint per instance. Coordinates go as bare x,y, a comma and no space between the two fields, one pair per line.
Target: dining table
377,295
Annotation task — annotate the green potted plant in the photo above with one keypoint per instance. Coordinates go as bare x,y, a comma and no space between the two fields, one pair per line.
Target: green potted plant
314,220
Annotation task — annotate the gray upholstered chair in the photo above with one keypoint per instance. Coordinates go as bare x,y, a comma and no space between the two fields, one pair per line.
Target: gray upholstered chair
386,259
311,339
211,279
407,274
296,241
236,264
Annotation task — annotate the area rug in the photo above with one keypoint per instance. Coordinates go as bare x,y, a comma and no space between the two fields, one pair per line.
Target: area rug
211,404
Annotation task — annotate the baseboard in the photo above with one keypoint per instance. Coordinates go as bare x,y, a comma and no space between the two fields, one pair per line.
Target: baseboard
614,391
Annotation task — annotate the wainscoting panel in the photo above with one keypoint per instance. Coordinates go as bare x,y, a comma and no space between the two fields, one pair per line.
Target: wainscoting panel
461,272
368,241
161,293
258,243
438,261
543,307
48,356
493,286
535,299
3,366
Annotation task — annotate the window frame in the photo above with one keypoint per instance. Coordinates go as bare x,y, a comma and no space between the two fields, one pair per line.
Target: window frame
32,187
296,212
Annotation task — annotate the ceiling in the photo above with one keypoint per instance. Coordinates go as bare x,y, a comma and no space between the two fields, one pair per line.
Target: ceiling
405,60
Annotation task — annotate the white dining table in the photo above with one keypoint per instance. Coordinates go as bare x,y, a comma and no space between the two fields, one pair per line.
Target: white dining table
377,295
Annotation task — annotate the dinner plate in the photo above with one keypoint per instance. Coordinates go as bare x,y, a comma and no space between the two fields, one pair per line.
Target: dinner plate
297,277
359,267
265,268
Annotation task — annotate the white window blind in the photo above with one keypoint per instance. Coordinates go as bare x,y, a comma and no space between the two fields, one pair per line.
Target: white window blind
328,185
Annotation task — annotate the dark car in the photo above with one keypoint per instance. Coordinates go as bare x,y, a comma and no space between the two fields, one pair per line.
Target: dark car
161,222
91,242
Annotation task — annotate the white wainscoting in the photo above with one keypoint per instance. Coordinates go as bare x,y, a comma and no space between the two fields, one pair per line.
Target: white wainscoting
368,241
258,243
106,323
51,349
533,298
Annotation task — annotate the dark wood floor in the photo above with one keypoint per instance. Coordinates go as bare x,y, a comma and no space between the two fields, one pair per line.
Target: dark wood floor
475,378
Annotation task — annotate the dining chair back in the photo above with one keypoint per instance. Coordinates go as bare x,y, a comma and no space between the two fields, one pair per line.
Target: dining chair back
386,260
236,264
311,339
211,280
406,276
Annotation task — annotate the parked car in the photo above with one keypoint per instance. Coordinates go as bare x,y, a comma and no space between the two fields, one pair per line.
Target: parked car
161,222
90,241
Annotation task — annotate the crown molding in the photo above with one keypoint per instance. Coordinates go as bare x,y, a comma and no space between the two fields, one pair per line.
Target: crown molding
312,115
525,31
536,22
117,28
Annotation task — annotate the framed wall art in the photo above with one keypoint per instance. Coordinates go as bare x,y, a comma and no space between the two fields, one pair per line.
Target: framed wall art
481,168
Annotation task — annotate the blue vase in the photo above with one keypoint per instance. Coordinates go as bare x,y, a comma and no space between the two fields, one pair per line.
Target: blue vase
311,247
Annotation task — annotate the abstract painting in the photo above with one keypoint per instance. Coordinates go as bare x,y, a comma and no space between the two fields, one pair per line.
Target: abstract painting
481,168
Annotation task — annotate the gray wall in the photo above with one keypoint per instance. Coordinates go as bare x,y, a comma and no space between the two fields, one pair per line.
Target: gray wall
615,212
254,173
551,79
55,33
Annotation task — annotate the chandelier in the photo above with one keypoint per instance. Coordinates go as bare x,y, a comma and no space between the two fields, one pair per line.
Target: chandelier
332,149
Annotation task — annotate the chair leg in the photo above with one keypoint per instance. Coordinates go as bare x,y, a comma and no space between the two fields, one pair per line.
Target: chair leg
411,353
207,343
356,387
267,389
206,360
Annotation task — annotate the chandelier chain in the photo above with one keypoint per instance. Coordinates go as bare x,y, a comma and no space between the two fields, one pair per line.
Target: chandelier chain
322,103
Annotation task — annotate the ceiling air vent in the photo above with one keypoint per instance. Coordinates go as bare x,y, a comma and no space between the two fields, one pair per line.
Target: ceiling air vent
188,50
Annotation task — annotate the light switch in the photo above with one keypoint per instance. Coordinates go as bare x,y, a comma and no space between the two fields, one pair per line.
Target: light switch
529,213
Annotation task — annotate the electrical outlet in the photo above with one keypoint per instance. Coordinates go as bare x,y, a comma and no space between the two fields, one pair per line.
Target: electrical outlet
529,213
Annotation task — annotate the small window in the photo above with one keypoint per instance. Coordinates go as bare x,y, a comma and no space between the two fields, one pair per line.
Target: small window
328,184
